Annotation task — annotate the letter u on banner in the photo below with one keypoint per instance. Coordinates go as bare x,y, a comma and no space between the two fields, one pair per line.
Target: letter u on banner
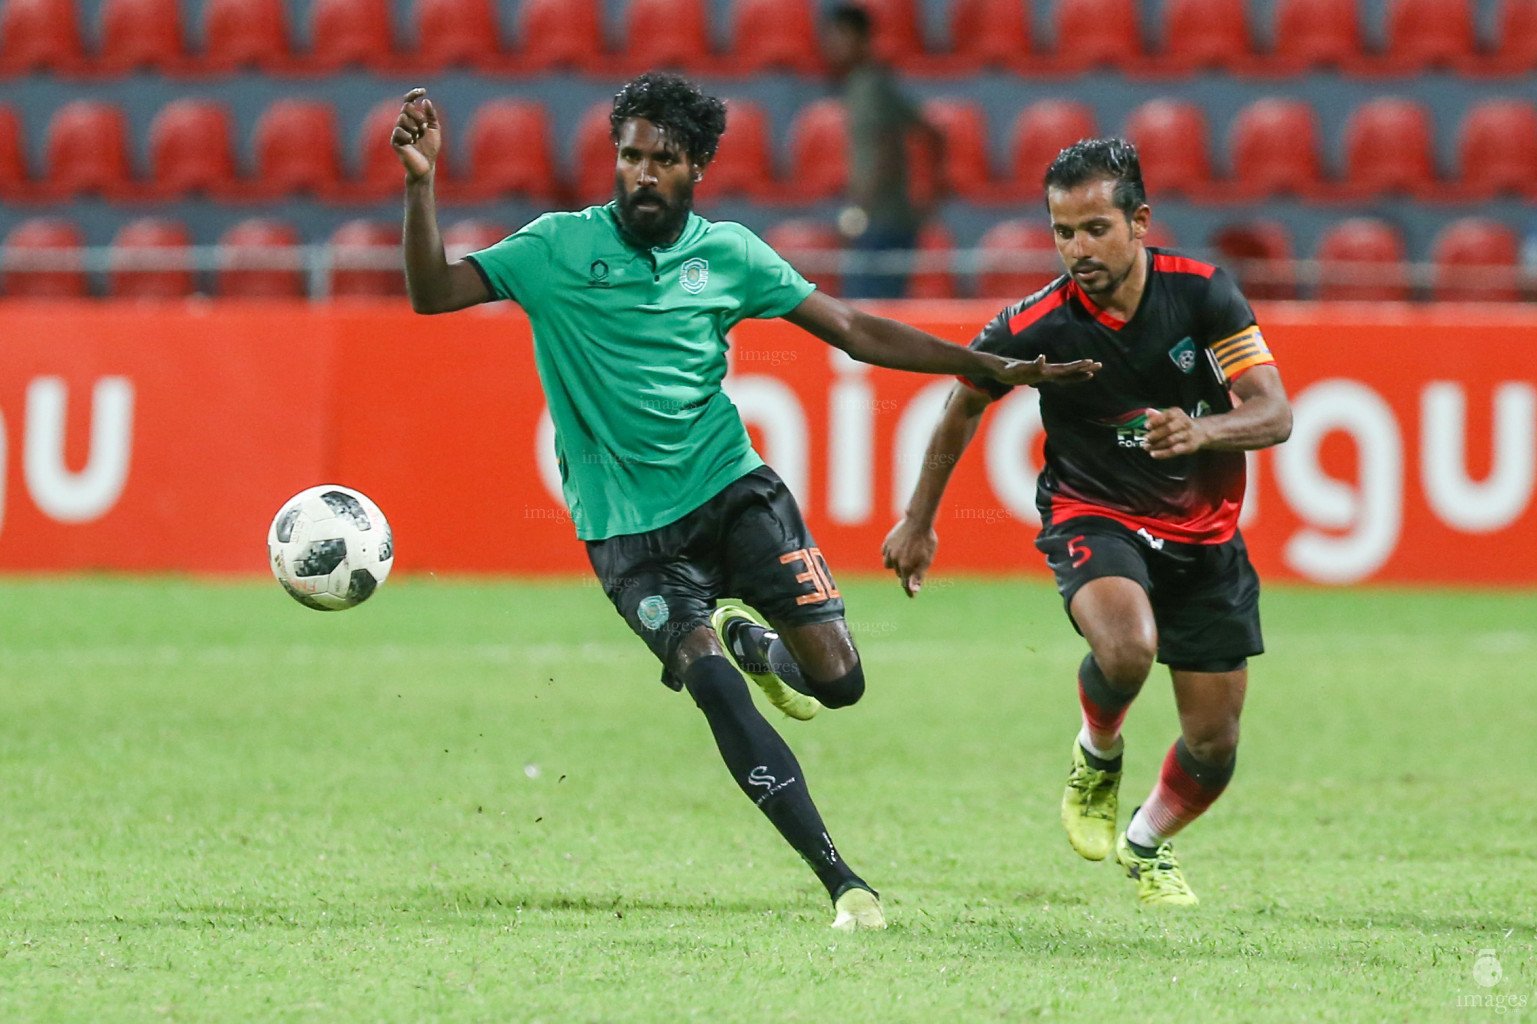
1501,498
89,494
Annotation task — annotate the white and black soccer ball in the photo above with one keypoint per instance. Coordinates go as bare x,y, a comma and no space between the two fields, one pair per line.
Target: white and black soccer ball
330,547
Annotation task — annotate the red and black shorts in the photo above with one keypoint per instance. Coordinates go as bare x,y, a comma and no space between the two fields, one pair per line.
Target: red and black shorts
1205,597
748,542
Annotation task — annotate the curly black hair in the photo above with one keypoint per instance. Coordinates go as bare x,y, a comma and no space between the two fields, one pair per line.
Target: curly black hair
673,103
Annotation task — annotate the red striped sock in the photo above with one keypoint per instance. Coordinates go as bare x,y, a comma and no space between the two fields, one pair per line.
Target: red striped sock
1186,788
1104,708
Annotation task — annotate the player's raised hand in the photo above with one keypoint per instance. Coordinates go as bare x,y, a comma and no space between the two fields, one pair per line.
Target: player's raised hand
909,550
1172,432
417,137
1031,372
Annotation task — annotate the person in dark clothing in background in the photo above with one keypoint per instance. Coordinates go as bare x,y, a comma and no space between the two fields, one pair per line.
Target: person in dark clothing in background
881,215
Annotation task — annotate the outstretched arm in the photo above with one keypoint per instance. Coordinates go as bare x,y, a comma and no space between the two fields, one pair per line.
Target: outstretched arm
434,284
909,547
881,342
1262,418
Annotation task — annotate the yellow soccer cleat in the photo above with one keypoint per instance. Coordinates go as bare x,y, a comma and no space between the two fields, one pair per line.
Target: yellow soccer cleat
1089,806
857,909
1160,882
792,702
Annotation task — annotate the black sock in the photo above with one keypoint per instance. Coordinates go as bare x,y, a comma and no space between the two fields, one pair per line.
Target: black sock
761,763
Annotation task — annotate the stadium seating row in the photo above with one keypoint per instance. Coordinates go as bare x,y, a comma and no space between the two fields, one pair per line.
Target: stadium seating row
1359,259
1274,150
765,35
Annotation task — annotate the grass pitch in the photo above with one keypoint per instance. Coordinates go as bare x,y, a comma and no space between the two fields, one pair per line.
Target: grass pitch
475,802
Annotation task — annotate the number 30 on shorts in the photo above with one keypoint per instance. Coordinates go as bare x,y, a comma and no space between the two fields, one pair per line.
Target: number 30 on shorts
817,575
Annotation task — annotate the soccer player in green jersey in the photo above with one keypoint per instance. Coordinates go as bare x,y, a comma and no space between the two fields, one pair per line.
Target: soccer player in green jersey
630,304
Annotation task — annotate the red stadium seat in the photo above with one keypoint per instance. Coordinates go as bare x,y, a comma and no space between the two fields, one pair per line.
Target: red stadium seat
455,33
809,246
509,147
596,158
1019,258
150,261
898,35
240,34
45,238
87,151
1362,261
141,34
742,165
1259,254
1041,131
1317,33
1388,148
1476,260
1274,149
1498,151
260,259
666,34
14,180
1201,34
1516,51
190,150
934,242
767,34
818,153
39,35
295,147
1170,137
365,259
559,33
989,33
467,236
1097,33
351,33
1429,33
965,159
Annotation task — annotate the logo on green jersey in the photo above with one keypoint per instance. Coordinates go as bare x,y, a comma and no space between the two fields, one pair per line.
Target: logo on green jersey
597,274
1183,355
653,611
694,275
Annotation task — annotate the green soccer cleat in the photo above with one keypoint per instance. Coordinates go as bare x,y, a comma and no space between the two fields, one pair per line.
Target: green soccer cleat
858,909
1088,807
792,702
1160,882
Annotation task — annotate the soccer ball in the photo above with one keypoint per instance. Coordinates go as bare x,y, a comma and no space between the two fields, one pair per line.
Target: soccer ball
330,547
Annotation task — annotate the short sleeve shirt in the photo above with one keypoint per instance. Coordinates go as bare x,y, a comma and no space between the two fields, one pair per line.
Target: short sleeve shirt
1191,336
630,345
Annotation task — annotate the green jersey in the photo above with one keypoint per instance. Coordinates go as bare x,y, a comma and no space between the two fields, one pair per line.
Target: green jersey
631,349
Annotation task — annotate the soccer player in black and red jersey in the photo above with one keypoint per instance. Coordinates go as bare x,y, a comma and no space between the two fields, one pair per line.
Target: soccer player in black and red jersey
1139,497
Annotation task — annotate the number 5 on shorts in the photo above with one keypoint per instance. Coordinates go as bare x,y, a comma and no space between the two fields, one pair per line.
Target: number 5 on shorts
1079,551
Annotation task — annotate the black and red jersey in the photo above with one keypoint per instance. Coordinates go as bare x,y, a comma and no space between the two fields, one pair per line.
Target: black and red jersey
1192,335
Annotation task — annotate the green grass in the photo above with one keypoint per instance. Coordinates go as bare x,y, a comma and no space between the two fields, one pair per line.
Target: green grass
474,802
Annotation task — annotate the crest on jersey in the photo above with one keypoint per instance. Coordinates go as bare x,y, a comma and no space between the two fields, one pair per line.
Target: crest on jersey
694,275
1184,355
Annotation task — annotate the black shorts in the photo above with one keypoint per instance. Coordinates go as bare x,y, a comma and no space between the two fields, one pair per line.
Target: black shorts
748,542
1205,597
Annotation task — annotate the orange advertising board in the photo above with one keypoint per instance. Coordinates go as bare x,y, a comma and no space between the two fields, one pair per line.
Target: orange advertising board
166,436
